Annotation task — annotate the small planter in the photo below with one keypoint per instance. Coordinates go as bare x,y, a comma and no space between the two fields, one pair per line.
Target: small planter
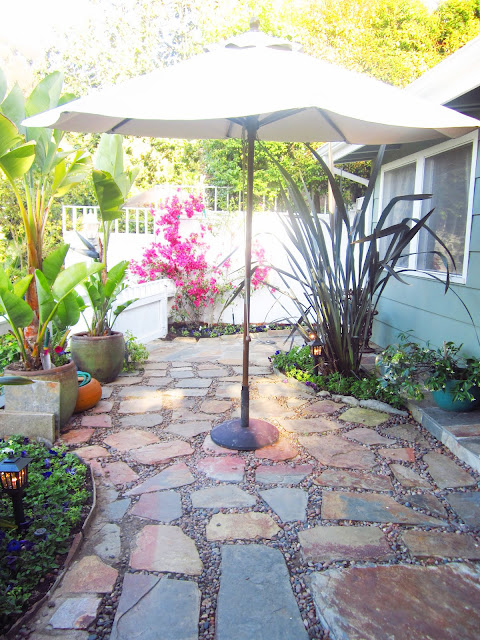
101,356
66,375
444,399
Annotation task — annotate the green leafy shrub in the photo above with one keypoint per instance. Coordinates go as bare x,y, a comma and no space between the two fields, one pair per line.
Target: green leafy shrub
54,500
298,363
8,350
135,353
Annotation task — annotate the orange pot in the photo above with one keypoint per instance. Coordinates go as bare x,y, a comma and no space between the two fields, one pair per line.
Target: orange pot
88,395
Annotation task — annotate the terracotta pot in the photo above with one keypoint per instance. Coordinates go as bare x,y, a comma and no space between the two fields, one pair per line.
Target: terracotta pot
66,375
101,356
88,395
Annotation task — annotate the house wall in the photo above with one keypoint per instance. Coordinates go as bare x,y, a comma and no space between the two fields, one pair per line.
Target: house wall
423,305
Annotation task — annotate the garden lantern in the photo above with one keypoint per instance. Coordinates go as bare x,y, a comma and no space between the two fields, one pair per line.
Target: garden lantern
14,479
316,350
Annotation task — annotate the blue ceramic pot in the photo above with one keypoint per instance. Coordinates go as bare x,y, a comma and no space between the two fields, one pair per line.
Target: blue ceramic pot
444,399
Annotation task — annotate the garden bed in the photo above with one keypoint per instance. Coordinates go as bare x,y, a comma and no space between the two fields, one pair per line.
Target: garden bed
57,501
192,330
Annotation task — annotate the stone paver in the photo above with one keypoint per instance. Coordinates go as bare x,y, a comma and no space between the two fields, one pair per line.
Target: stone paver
353,480
403,454
225,390
89,575
119,473
266,408
338,452
225,469
408,432
181,375
367,436
115,510
92,452
446,473
162,506
104,406
140,392
126,381
429,503
399,602
368,417
105,541
106,392
325,407
162,547
408,477
371,508
255,601
98,422
189,430
241,526
141,405
156,608
146,420
216,406
283,449
290,505
325,544
282,473
467,506
75,613
162,452
177,475
194,383
222,496
77,436
130,439
211,373
426,544
210,447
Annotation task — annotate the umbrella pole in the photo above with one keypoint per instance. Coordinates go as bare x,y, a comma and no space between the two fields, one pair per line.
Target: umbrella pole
246,434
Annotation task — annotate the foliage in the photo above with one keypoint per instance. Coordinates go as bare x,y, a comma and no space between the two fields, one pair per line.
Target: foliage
459,22
298,363
111,184
182,259
53,503
57,302
136,353
213,331
39,171
8,350
411,368
341,272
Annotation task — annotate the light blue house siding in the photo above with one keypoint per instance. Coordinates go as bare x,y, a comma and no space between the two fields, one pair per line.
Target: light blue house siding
423,306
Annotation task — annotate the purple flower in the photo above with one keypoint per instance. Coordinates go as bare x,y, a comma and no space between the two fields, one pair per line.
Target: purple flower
71,472
53,452
277,352
24,454
26,441
48,463
14,545
46,474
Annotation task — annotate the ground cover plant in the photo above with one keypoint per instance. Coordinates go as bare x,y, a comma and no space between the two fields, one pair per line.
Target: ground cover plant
298,363
136,353
55,503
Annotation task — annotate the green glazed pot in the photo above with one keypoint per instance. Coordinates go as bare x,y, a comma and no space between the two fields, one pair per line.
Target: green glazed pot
66,375
444,399
101,356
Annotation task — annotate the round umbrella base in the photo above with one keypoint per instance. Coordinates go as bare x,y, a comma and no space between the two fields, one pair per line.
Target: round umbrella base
232,435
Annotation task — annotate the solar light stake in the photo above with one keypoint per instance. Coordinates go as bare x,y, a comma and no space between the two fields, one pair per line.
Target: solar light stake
14,479
316,350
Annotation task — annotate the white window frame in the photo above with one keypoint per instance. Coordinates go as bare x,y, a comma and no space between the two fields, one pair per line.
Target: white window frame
419,160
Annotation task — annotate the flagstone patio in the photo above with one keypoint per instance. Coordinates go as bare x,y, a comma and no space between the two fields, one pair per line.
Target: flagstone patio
357,524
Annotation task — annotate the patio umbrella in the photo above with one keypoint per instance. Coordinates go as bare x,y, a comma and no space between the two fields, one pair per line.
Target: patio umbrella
262,88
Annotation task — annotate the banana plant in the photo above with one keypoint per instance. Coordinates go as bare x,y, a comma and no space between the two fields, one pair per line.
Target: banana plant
57,298
102,296
39,170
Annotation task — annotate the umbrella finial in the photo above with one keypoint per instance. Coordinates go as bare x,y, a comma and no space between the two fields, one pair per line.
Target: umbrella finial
254,24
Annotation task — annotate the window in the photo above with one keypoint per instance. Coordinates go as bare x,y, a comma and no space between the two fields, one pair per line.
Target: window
445,171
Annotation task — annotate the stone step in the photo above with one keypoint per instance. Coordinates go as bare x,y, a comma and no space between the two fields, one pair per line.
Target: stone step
255,600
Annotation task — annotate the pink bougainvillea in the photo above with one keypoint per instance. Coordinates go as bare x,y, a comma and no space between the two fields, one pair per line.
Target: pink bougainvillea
183,260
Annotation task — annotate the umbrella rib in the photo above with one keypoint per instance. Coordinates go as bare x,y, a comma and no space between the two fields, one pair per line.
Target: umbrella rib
280,115
120,124
332,124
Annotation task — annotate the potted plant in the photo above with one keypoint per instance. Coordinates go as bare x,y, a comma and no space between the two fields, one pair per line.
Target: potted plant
100,350
452,377
39,170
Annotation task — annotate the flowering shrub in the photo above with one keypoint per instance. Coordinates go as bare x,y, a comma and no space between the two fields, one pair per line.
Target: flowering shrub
53,503
182,260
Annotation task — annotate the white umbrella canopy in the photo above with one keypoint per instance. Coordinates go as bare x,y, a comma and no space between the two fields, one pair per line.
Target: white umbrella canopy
291,96
263,88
